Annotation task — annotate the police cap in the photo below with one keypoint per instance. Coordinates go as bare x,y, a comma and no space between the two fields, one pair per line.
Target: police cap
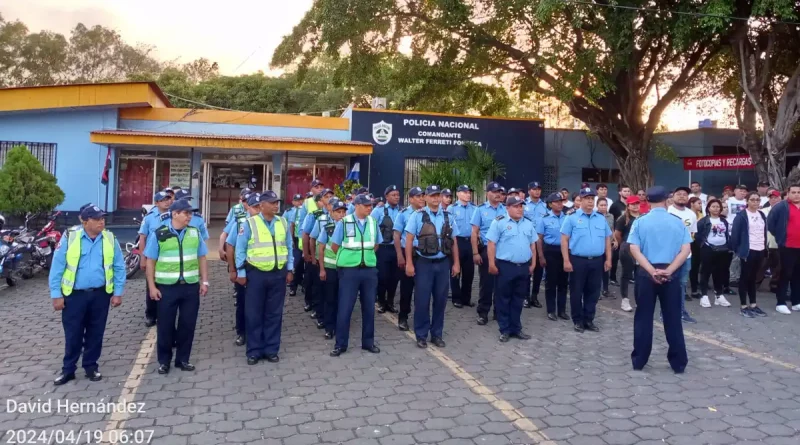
553,197
338,205
657,194
183,194
493,187
415,191
160,196
390,189
316,182
587,191
464,188
433,190
514,201
297,197
253,199
92,212
245,191
447,192
534,185
363,200
180,205
268,196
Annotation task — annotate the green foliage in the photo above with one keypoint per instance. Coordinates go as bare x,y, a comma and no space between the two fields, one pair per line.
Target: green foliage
477,167
25,186
663,151
342,190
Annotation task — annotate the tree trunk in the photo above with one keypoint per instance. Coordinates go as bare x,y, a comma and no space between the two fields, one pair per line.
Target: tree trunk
634,170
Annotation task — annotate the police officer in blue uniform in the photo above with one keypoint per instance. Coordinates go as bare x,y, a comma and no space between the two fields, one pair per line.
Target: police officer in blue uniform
660,244
155,219
512,258
549,248
352,206
197,221
252,207
180,301
84,295
328,272
535,209
265,278
586,248
236,208
324,221
416,200
314,292
481,221
462,210
292,215
388,273
429,233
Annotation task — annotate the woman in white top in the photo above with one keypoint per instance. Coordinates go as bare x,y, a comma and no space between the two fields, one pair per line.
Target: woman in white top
749,243
713,235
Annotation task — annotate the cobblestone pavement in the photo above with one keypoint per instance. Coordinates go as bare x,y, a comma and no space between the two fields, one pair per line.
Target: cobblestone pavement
742,384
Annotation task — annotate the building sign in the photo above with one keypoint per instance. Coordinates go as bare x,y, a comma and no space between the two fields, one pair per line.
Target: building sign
180,173
731,162
430,131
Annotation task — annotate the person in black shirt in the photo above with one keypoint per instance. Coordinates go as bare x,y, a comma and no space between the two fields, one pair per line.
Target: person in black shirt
622,228
617,209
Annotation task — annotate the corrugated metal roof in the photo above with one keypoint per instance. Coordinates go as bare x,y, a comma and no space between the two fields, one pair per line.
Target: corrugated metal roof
229,137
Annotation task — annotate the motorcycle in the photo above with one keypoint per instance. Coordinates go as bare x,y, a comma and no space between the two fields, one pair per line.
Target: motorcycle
39,247
132,256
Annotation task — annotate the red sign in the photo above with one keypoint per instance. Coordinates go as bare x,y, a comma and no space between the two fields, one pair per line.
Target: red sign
731,162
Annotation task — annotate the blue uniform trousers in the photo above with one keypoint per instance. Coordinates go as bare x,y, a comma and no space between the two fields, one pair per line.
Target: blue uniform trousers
461,285
331,290
406,292
432,281
487,283
308,283
150,305
670,296
584,287
555,286
510,294
299,268
318,293
240,321
355,282
538,272
181,301
264,298
84,319
388,275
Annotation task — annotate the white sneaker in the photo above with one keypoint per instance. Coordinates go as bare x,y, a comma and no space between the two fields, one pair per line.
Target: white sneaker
796,307
782,309
704,301
721,301
626,305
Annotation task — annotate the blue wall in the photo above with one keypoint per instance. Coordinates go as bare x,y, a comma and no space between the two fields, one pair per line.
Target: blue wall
79,163
518,144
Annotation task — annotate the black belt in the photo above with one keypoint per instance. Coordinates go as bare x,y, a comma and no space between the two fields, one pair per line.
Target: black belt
463,237
511,263
433,260
386,244
587,257
552,247
92,289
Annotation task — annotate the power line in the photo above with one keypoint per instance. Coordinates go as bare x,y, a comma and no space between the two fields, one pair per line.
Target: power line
664,11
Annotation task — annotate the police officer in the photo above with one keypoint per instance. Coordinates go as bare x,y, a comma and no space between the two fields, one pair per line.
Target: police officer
322,223
264,264
512,258
197,221
237,213
312,285
535,209
355,240
388,273
352,206
177,275
447,199
150,223
481,221
292,215
328,273
252,206
429,233
462,210
585,242
309,206
87,274
549,249
416,199
660,244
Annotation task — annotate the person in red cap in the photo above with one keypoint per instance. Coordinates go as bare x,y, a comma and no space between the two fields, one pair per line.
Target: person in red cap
644,206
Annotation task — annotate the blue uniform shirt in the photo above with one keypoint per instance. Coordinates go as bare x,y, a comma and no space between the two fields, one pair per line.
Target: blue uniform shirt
300,216
587,233
513,239
377,213
310,219
414,225
198,222
231,227
244,236
90,273
463,216
319,226
289,214
550,226
483,217
659,235
152,248
400,225
153,221
535,211
338,232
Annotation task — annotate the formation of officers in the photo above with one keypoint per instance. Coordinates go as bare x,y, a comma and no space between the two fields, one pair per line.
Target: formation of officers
363,251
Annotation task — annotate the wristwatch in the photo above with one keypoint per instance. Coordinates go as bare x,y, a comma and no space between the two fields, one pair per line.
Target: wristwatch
205,283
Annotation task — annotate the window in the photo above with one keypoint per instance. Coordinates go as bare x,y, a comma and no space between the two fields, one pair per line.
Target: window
550,183
411,172
605,175
45,153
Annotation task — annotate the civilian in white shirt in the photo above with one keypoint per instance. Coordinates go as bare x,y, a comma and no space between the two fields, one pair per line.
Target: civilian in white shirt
697,192
602,192
749,242
713,235
565,194
679,208
763,192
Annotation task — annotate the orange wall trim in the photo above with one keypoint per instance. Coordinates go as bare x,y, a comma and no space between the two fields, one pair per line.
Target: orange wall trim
76,96
235,118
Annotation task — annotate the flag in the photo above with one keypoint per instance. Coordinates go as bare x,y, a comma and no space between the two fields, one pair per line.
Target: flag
353,176
106,168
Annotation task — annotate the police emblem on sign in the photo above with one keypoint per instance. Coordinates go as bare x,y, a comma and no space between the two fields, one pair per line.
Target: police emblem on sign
382,133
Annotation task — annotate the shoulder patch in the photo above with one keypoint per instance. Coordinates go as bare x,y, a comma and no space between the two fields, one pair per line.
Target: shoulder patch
241,229
499,217
164,216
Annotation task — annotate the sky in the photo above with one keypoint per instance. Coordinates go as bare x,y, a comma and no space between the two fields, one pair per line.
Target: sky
240,35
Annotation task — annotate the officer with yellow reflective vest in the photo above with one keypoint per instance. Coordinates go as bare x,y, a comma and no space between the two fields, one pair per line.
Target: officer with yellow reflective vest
238,211
157,218
310,207
328,273
309,243
252,208
177,275
292,215
197,221
319,224
355,240
264,262
86,276
429,232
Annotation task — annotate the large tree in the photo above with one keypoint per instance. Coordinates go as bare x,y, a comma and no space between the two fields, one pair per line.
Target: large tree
616,65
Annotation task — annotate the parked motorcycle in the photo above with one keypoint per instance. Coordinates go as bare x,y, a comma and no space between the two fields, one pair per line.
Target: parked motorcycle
132,255
25,252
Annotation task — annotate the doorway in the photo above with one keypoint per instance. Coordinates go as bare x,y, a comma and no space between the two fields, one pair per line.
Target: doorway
223,181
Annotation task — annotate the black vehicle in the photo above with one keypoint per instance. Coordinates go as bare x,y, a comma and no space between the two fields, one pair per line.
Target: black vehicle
132,255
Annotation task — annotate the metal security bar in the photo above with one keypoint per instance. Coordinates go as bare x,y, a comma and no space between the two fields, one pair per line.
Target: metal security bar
411,172
44,152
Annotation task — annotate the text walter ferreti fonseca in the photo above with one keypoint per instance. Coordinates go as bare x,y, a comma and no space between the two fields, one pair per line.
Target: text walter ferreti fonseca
66,406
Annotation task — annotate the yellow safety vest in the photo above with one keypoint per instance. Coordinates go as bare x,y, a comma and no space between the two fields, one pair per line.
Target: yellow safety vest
263,250
310,205
74,257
